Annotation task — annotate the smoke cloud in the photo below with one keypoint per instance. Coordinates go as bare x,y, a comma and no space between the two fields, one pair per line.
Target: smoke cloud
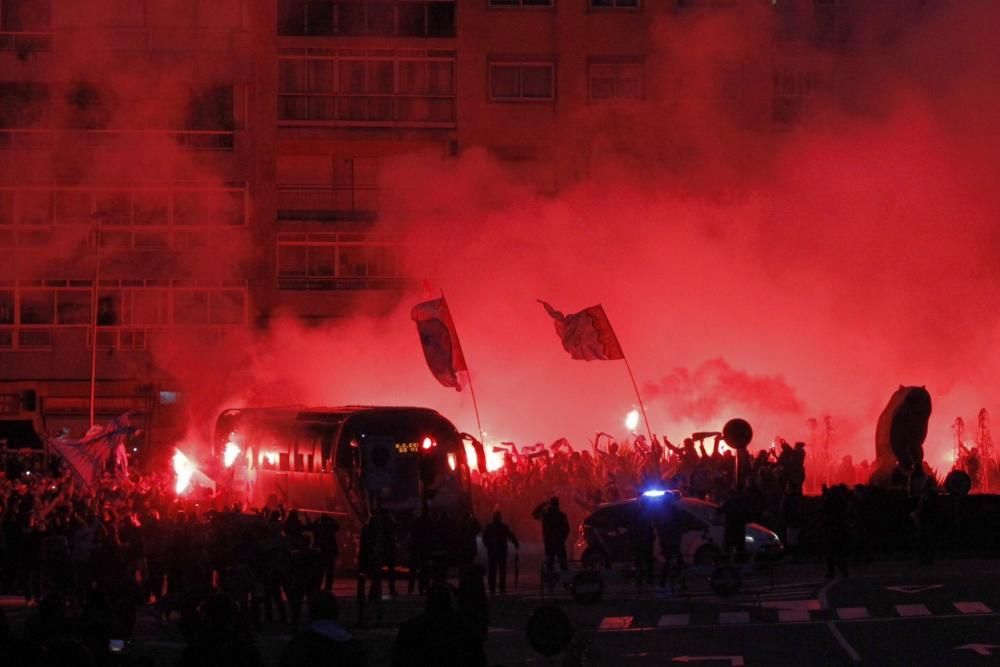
772,275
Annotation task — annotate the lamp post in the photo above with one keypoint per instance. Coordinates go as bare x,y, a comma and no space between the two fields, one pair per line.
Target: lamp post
93,322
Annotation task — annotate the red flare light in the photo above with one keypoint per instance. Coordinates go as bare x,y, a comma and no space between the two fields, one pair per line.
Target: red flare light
184,470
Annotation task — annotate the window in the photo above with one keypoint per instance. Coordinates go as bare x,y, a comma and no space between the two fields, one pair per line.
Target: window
615,79
6,306
367,18
337,262
520,3
615,4
73,306
522,81
210,109
336,88
23,104
25,15
791,89
37,306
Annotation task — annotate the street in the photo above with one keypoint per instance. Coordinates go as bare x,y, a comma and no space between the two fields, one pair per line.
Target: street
892,613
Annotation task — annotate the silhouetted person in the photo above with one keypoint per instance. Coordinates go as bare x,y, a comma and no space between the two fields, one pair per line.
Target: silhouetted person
643,539
324,641
734,517
473,604
421,536
466,531
669,530
837,529
925,518
218,640
326,541
438,637
496,535
555,531
376,551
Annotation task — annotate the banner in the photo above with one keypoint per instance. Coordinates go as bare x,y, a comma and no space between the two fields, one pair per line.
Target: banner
88,456
586,335
440,342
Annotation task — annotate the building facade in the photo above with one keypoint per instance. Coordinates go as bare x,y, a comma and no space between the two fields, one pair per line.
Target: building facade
176,172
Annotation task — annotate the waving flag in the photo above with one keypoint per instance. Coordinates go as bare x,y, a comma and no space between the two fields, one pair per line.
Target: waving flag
586,335
88,456
440,342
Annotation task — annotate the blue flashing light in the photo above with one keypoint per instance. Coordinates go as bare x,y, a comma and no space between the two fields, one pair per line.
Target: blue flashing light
654,493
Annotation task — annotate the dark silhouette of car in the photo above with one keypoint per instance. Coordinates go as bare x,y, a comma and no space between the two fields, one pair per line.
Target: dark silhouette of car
603,537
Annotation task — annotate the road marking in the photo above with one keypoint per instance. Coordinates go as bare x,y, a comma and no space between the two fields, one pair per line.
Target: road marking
734,617
914,589
793,615
912,610
972,608
844,644
981,649
734,660
796,605
615,623
674,620
852,613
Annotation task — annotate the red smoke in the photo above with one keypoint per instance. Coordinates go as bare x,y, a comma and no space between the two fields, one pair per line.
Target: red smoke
774,275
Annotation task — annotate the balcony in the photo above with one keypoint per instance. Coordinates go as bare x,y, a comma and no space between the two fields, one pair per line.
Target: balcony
331,284
25,43
42,138
357,18
327,203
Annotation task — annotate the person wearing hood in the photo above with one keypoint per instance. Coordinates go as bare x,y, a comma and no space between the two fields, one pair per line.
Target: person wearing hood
324,641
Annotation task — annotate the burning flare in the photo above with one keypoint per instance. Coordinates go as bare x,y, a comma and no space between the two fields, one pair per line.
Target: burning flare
230,454
632,420
184,470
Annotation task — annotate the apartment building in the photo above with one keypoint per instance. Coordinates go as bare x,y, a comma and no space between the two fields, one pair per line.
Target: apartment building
176,172
127,163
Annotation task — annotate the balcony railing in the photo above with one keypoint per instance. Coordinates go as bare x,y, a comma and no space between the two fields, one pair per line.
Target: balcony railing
306,202
25,337
25,42
332,284
194,140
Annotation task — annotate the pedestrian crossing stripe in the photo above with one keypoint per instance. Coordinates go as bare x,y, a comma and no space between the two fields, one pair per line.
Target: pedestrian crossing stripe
734,617
793,615
615,623
912,610
671,620
804,613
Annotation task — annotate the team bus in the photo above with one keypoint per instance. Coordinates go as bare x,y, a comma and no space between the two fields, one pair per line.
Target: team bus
343,461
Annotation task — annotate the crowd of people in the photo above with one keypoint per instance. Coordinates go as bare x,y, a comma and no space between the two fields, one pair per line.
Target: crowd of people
88,559
607,471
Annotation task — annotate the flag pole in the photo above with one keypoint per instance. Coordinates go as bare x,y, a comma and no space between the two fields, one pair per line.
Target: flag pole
472,390
642,407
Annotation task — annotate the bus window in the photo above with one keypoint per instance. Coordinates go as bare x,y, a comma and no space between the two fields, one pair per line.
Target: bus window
283,462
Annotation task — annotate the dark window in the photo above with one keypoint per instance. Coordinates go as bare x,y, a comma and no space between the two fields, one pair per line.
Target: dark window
38,306
6,307
211,109
615,4
90,107
520,3
73,307
522,81
373,18
25,15
23,104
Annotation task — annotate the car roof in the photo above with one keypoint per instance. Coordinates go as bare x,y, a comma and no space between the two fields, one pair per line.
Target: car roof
686,500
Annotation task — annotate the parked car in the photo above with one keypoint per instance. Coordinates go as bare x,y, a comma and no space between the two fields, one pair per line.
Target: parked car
603,537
